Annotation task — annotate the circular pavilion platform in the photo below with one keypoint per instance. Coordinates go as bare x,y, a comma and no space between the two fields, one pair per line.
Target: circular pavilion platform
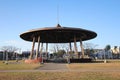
57,34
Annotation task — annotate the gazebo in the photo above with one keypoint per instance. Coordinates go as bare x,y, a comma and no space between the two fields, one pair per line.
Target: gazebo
58,34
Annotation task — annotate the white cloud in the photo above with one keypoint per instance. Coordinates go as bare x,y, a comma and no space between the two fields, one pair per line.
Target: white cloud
11,42
23,45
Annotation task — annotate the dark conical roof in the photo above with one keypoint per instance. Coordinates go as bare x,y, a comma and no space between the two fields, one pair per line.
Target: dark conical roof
58,34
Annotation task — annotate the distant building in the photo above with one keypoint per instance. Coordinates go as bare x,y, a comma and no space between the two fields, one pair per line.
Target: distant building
116,52
1,55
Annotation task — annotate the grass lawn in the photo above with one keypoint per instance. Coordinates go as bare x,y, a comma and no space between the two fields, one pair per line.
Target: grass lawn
60,76
65,75
94,66
18,66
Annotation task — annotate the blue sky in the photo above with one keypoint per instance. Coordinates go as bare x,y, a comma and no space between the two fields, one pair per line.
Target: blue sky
101,16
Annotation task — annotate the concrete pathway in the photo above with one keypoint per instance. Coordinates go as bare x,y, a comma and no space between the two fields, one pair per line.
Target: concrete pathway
61,67
53,66
47,67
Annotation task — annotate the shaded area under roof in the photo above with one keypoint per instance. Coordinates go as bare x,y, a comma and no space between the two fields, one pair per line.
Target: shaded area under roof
58,34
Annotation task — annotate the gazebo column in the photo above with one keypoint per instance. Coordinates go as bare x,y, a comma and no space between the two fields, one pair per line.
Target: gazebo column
70,47
41,55
47,50
75,45
82,49
32,51
69,52
37,52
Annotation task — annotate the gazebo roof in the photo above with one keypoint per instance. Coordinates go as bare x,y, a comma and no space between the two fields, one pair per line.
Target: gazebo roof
58,34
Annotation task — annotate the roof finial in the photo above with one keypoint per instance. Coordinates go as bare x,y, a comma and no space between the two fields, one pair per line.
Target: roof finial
58,26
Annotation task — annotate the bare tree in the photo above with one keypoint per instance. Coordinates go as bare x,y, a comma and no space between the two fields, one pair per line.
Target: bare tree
53,48
9,51
56,47
89,45
9,48
89,48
